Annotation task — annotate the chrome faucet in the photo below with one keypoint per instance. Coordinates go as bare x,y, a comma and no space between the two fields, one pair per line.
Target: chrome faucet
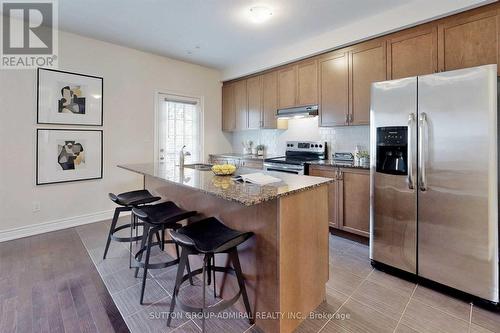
182,155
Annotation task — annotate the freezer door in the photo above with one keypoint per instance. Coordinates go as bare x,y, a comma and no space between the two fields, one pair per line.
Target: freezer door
458,196
393,203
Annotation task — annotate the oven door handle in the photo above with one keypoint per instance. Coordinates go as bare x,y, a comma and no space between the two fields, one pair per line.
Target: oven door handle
294,171
279,166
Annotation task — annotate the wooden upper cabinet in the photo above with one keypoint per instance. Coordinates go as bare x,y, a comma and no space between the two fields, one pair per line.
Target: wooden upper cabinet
269,99
367,65
254,92
334,89
287,87
356,201
467,41
228,109
241,104
307,82
412,53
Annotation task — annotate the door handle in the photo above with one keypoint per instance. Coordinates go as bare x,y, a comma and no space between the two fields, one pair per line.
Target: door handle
422,131
411,124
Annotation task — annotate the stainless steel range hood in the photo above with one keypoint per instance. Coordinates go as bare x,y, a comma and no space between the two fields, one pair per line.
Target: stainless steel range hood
298,112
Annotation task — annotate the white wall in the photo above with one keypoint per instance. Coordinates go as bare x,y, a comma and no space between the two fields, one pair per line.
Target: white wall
130,79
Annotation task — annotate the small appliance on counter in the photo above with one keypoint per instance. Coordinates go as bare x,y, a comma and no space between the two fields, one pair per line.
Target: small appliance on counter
296,155
343,159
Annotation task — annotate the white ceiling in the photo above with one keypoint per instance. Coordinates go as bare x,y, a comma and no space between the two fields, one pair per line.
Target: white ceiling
219,34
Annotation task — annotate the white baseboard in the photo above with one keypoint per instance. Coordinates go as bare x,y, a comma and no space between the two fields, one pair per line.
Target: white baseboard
44,227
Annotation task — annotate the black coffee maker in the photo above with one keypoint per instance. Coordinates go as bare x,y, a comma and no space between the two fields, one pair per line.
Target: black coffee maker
392,150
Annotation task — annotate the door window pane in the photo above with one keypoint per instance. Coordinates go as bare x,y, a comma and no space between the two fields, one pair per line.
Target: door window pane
178,126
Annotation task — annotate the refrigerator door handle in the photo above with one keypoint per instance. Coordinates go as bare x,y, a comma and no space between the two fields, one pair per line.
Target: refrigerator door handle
422,129
411,124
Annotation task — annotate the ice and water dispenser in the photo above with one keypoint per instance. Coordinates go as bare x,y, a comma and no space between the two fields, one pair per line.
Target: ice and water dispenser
392,150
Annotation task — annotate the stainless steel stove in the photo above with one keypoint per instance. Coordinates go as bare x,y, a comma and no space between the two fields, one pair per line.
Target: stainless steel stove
297,154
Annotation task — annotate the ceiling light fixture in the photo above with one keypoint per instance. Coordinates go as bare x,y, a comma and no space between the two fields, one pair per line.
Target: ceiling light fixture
260,14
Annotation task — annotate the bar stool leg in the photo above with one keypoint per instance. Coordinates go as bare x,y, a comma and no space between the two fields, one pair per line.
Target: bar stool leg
215,293
148,253
178,279
188,267
241,282
111,229
206,262
145,233
132,226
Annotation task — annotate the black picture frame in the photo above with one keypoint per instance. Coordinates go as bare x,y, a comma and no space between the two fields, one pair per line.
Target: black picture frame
71,73
69,130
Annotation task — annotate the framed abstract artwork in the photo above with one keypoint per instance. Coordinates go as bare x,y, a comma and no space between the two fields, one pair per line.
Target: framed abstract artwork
68,155
69,98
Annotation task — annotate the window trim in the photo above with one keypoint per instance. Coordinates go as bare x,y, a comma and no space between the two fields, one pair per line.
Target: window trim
162,94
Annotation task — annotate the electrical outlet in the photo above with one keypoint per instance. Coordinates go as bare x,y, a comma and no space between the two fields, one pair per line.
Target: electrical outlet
36,206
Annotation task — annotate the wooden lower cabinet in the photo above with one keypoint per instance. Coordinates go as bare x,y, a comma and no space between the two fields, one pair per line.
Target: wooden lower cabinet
355,196
333,192
348,198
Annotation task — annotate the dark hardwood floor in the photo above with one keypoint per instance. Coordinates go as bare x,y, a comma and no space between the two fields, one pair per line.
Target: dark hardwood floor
48,283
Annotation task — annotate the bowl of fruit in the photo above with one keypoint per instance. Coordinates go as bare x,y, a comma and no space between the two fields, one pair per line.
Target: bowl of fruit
223,169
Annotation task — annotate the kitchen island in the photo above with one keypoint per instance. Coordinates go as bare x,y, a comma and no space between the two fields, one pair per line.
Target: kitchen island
286,263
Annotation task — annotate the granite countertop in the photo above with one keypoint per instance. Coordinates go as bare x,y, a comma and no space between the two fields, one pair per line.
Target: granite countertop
226,188
240,156
333,164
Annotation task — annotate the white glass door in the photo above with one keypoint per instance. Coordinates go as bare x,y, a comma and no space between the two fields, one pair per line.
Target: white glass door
178,124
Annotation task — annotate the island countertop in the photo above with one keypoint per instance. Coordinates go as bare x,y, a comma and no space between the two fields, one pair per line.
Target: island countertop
226,188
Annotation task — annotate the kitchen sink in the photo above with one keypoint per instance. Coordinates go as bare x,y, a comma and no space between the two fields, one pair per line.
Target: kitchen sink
199,166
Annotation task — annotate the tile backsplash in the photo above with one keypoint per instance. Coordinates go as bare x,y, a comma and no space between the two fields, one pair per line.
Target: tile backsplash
339,139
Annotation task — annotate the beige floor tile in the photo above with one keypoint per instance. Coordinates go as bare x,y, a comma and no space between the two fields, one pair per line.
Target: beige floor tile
427,319
344,282
334,299
357,317
333,328
392,282
486,319
405,329
120,280
478,329
385,300
324,312
127,300
448,304
154,319
350,264
360,251
339,245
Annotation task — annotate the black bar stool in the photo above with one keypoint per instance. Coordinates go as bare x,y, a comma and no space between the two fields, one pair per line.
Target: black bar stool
127,201
157,218
209,237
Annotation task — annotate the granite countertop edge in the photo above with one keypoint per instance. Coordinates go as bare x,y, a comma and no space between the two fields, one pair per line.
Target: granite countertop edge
240,156
228,197
329,163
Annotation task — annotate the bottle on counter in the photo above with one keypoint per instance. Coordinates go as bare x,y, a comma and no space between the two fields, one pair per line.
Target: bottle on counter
356,157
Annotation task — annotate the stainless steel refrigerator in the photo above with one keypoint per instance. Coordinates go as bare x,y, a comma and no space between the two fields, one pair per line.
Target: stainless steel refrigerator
434,178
